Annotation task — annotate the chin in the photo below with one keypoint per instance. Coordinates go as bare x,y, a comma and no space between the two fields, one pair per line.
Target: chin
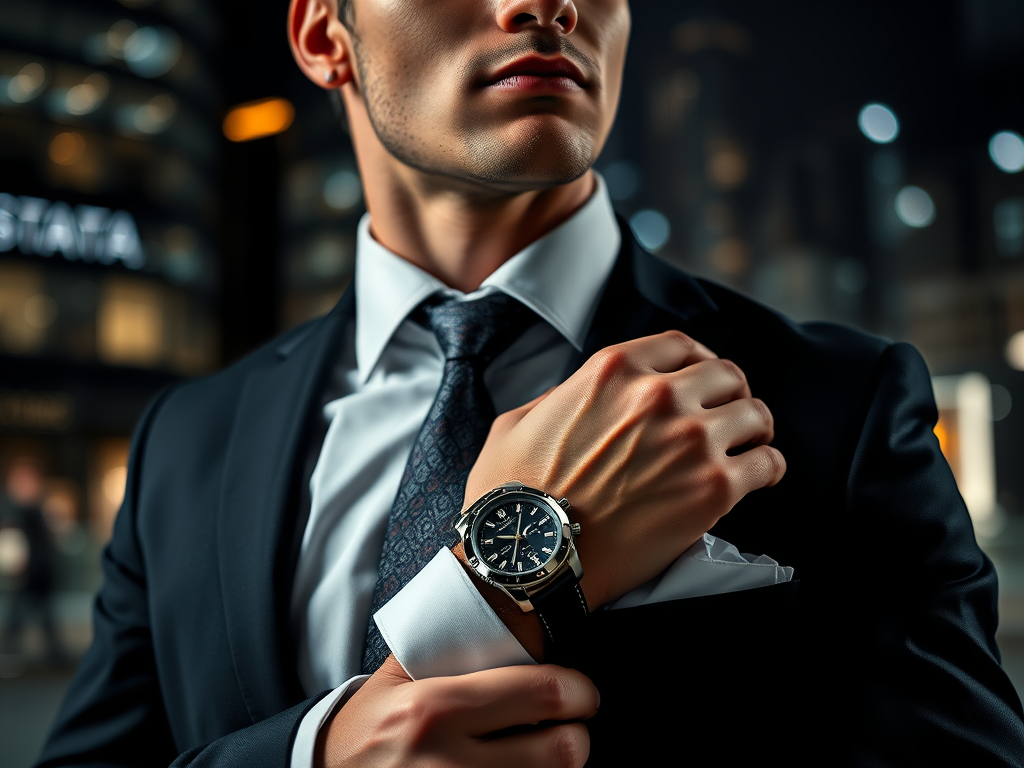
534,152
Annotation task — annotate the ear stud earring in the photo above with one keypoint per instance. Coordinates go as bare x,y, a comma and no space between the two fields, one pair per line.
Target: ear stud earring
331,76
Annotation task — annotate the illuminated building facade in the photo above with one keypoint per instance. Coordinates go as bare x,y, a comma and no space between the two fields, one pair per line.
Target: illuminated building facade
109,221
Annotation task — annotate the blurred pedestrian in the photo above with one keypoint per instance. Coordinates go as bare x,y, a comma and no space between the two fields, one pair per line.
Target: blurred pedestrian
24,527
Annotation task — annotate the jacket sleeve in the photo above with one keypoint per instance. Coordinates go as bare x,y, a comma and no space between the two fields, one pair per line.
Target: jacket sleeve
113,713
924,660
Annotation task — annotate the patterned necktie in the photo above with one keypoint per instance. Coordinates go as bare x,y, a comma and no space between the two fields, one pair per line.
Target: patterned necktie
471,335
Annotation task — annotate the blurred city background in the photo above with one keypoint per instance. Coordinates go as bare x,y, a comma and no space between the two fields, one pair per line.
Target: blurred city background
173,193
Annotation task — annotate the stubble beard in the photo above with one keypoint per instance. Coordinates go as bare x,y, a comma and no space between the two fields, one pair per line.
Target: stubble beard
486,159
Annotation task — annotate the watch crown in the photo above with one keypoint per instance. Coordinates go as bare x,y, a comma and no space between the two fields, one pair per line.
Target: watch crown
575,528
564,503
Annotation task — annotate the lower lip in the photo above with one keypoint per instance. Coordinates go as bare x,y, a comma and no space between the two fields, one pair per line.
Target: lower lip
536,83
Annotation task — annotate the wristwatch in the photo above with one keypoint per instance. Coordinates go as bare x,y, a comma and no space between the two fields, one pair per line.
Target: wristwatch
521,541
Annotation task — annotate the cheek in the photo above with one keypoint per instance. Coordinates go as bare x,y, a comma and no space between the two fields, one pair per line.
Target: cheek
411,66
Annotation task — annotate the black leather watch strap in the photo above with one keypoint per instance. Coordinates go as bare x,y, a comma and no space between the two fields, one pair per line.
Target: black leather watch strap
562,610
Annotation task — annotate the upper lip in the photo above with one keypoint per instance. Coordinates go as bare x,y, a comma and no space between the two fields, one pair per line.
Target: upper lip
558,66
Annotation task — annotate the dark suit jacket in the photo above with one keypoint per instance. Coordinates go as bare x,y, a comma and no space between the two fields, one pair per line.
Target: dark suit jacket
882,654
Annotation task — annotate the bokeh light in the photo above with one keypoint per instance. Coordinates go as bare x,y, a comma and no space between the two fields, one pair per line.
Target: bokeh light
1002,402
1015,351
914,207
1006,149
87,96
343,190
27,84
67,148
622,179
257,119
879,123
152,51
651,229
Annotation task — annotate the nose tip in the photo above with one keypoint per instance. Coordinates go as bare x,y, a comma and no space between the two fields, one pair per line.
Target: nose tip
519,15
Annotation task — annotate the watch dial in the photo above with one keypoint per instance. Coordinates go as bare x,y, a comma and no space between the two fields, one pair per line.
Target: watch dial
517,537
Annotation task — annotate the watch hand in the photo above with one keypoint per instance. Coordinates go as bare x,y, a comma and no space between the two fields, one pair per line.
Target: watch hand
519,522
506,537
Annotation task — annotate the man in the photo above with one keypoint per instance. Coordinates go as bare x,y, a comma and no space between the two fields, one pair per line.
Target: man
22,518
247,558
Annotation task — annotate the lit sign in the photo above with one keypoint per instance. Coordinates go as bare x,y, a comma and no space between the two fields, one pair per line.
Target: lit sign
84,233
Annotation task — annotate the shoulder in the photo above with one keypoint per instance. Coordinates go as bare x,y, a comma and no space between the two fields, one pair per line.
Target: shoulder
755,324
731,323
205,402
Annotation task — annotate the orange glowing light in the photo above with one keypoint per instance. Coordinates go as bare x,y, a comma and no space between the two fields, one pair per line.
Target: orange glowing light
943,435
67,148
257,119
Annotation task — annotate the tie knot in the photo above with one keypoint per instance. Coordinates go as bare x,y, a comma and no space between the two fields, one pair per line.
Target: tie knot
481,329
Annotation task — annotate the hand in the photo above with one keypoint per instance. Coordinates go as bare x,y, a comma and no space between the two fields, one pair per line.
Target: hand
460,720
639,441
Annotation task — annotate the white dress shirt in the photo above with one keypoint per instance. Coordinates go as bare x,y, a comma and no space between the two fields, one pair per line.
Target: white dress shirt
382,387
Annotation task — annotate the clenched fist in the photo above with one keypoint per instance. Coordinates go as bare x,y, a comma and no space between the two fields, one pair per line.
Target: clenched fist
652,441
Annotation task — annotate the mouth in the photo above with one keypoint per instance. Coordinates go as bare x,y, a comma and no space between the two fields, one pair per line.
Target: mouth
537,73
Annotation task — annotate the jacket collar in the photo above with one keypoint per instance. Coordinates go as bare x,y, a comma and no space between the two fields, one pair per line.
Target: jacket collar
645,295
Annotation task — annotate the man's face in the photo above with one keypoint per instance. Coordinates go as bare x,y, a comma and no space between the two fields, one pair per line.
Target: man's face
492,91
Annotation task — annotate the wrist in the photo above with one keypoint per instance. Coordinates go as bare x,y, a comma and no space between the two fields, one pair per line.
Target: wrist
524,626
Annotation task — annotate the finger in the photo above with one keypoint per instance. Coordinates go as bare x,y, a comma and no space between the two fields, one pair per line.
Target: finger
739,423
673,350
760,467
501,698
713,382
661,353
566,745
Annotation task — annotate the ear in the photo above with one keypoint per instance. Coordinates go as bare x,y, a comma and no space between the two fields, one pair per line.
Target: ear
320,43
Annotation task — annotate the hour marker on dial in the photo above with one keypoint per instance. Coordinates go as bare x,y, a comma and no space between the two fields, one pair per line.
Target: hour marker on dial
493,557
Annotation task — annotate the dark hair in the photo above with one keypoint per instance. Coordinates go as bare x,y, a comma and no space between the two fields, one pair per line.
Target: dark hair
346,14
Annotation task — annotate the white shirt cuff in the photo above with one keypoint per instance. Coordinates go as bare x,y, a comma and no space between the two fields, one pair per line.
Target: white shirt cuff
304,746
439,624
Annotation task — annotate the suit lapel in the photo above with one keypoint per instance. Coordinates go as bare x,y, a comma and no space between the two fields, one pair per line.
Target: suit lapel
646,295
258,509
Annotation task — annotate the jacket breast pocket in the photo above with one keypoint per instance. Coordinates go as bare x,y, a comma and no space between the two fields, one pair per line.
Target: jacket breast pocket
700,678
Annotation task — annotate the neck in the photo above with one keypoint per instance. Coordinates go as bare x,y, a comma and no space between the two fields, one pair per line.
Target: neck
460,232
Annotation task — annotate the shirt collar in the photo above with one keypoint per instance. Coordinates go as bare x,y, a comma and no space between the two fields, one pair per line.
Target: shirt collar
559,277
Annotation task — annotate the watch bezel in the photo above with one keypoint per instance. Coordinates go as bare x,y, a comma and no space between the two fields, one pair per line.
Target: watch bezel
528,580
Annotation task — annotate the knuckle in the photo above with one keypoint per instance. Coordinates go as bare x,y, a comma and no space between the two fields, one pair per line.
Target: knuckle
761,411
610,360
680,337
735,371
552,692
571,746
656,391
772,463
694,433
